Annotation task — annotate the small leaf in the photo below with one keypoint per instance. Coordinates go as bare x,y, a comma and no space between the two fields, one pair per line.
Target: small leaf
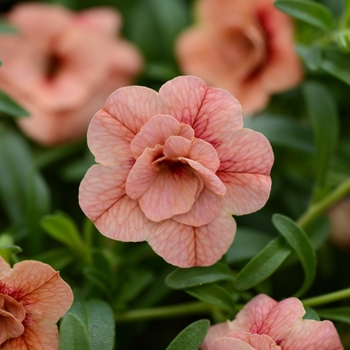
213,294
191,337
307,11
58,258
73,334
263,265
10,108
197,276
310,314
299,241
62,228
101,326
311,55
322,110
337,64
341,314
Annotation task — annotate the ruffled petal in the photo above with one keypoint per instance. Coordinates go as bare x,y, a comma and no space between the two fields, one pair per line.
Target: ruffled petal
186,246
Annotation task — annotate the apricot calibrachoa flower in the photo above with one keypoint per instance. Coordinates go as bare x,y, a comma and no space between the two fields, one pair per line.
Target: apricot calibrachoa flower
243,46
62,66
33,297
265,324
173,168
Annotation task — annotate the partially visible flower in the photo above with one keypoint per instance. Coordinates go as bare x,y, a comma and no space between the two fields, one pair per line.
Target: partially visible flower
33,297
62,66
243,46
339,216
265,324
173,168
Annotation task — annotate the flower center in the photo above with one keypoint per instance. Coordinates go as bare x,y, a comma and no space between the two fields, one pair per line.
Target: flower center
12,313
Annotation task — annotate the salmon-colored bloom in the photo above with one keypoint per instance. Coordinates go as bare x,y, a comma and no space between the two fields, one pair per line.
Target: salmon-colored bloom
243,46
33,297
62,66
265,324
173,168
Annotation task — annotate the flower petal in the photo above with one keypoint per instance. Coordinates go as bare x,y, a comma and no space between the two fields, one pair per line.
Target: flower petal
133,106
246,160
186,246
285,325
252,317
5,268
196,149
210,111
156,131
103,199
172,192
204,210
109,140
226,343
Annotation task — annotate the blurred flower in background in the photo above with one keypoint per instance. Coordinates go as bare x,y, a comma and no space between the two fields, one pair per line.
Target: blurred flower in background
62,66
243,46
340,223
33,297
270,325
173,168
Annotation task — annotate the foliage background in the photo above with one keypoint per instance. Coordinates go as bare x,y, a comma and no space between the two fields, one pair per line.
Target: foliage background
308,128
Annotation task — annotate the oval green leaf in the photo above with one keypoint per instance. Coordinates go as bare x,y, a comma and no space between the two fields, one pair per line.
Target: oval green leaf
191,337
62,228
197,276
73,334
299,241
263,265
336,64
213,294
307,11
101,326
322,111
10,108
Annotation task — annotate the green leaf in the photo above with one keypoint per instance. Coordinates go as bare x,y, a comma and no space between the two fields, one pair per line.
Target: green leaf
337,64
191,337
299,241
247,244
101,326
282,132
62,228
341,314
197,276
311,55
310,314
73,334
58,258
322,110
213,294
97,318
9,107
307,11
263,265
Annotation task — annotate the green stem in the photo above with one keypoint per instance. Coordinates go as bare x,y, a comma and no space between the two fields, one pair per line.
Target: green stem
321,206
327,298
197,307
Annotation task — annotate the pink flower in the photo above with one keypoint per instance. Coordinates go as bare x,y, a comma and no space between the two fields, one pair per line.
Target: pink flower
173,168
32,299
62,66
265,324
243,46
